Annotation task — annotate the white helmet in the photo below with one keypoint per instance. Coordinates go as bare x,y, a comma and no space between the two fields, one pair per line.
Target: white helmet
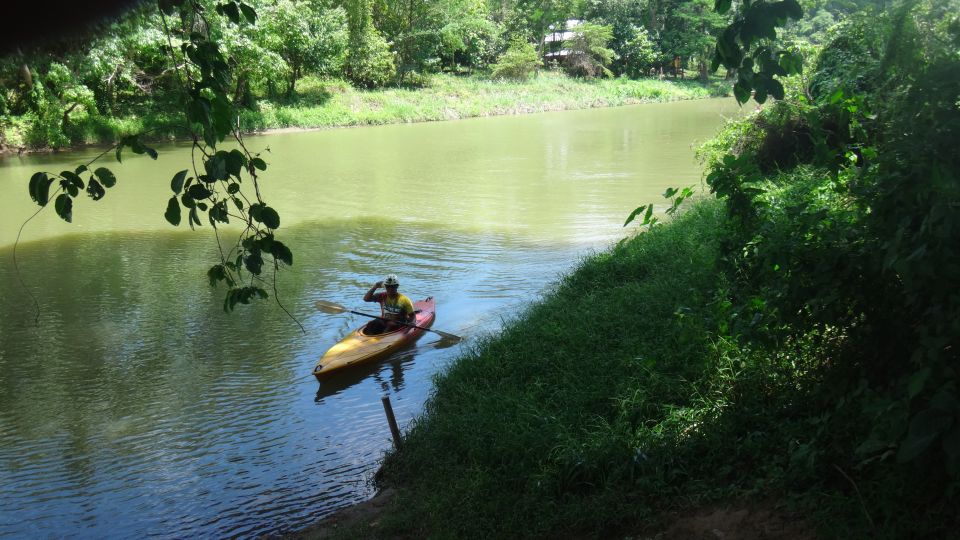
391,281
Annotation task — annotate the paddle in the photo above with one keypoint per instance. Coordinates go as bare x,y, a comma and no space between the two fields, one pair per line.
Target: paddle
331,308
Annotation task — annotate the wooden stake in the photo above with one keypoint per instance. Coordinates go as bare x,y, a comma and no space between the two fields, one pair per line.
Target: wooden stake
394,430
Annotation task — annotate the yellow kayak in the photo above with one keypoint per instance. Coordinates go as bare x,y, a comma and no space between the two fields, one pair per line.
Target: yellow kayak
358,348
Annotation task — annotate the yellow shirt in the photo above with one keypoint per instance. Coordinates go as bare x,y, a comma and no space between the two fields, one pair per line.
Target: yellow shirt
398,308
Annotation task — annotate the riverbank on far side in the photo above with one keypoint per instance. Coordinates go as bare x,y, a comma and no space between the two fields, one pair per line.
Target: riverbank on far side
325,104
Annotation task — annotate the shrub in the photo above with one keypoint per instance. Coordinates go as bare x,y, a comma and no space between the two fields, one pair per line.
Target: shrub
518,62
369,61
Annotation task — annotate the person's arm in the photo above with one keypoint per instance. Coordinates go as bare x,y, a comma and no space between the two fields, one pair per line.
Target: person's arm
369,297
411,313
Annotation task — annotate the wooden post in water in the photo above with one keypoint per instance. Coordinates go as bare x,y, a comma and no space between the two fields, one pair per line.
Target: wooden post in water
392,420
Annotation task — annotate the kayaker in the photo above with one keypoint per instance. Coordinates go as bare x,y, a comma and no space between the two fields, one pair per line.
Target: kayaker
394,307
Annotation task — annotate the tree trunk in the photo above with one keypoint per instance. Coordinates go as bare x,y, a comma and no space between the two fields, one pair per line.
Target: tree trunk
66,117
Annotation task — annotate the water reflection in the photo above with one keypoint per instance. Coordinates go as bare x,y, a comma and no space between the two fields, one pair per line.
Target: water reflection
387,374
138,408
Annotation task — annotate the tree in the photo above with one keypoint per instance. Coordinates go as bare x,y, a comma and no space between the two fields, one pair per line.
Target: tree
690,33
518,62
588,55
625,19
212,183
369,60
638,55
309,39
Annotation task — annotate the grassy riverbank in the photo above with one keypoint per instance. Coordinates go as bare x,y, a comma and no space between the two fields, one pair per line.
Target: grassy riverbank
334,103
791,345
622,399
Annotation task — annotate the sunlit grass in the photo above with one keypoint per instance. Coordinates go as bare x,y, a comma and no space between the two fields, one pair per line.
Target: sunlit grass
445,97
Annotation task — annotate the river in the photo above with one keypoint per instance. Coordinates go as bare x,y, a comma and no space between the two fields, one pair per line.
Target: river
138,407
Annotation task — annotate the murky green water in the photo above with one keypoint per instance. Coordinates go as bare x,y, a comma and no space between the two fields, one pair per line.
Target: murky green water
137,407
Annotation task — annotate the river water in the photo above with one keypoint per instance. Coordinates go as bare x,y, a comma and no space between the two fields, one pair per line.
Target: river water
137,407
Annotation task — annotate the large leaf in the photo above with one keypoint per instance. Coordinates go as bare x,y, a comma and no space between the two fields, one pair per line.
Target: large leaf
270,217
173,212
176,184
925,427
633,215
106,177
95,190
40,188
64,207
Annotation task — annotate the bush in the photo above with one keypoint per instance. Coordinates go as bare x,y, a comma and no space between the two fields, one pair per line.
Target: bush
369,61
518,62
588,53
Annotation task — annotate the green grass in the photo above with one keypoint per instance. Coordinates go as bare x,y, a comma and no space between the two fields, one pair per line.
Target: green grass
334,103
570,420
446,97
627,394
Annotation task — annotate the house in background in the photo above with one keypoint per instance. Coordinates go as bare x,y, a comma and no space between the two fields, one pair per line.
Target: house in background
553,42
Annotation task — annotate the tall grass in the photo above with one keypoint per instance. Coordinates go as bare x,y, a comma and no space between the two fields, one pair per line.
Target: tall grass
571,419
446,97
334,103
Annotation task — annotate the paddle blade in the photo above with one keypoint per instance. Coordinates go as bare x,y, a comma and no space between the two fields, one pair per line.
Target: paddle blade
330,307
445,342
446,339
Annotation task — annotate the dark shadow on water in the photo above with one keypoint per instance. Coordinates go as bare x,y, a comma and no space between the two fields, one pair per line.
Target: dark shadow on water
388,374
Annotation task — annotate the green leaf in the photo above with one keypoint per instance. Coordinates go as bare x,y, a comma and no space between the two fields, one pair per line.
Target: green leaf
741,92
791,62
40,188
216,274
64,207
70,187
253,262
193,218
281,252
173,212
721,6
187,201
259,163
917,382
648,214
233,188
670,192
167,6
235,162
633,215
256,211
106,177
776,89
80,169
925,427
216,166
231,11
73,178
198,192
249,13
270,217
95,190
176,184
793,9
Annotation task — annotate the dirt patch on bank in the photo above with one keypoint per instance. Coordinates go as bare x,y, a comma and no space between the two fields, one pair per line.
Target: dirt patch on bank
737,523
365,515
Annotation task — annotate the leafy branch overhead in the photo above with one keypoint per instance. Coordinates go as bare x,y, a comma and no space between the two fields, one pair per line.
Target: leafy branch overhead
748,46
223,184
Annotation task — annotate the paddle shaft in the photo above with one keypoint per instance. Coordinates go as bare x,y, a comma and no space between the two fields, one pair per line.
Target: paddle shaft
372,316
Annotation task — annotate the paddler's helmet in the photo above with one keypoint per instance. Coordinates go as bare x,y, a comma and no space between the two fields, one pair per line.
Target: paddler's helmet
391,281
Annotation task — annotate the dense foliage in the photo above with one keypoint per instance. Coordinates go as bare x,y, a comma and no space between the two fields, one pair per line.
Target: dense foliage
843,214
796,340
117,80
